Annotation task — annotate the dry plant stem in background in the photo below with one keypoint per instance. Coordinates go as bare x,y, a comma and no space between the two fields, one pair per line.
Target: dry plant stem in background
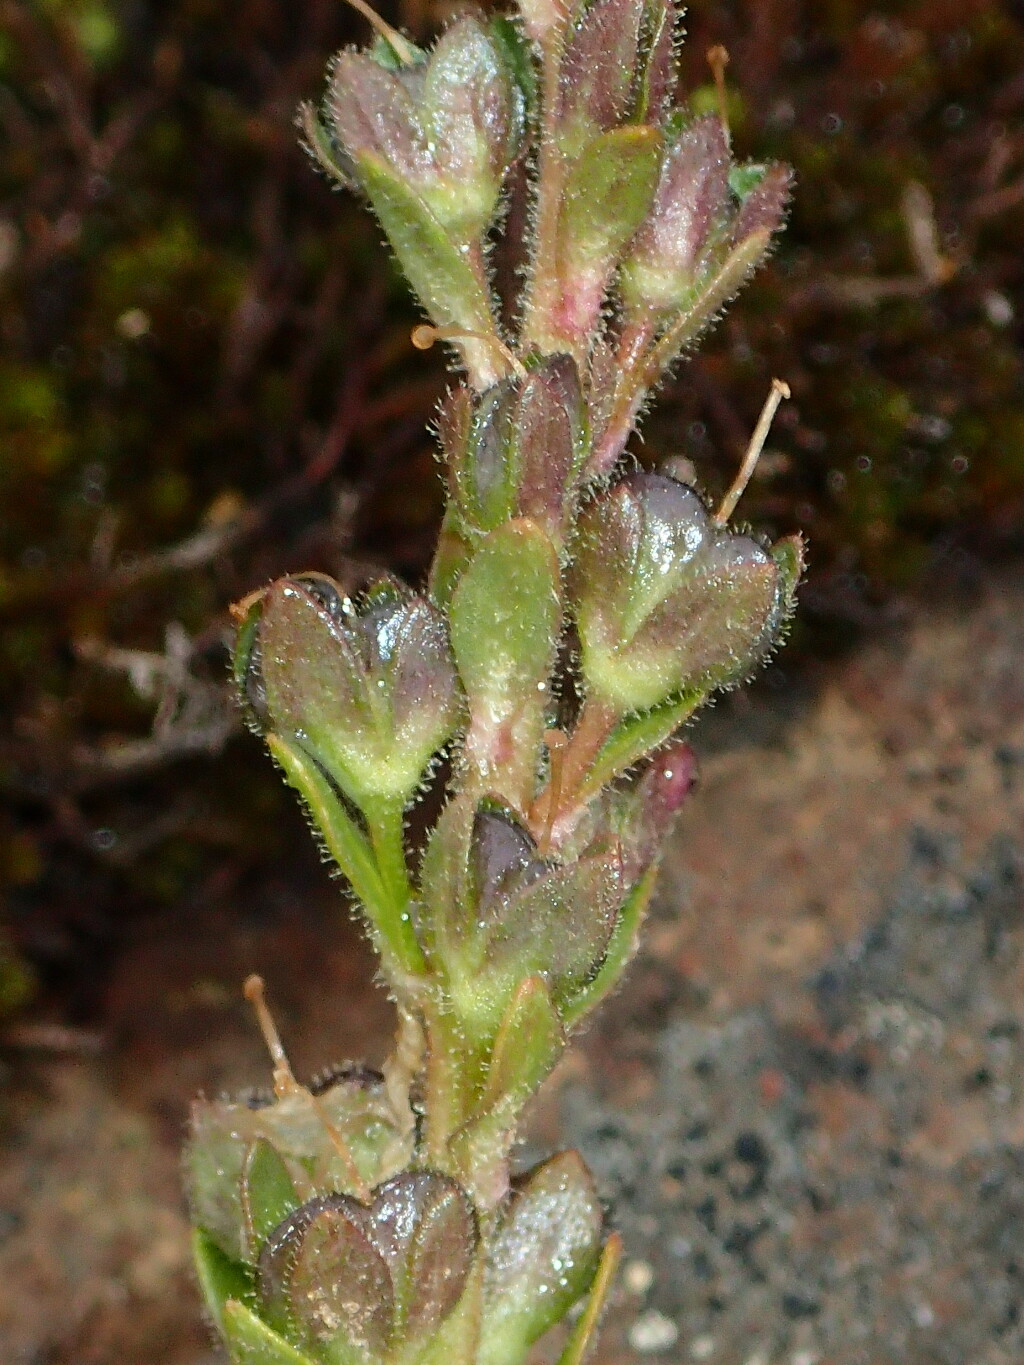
577,612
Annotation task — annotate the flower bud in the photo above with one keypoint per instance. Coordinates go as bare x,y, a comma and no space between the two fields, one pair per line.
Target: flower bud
649,809
667,601
429,143
503,858
368,692
602,150
246,1159
505,913
374,1277
325,1285
618,66
517,454
709,219
690,208
597,72
447,127
342,1280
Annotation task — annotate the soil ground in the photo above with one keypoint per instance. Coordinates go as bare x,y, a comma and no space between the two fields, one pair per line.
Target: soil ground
806,1107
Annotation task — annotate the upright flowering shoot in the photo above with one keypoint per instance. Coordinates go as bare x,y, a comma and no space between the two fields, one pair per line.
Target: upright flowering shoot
575,615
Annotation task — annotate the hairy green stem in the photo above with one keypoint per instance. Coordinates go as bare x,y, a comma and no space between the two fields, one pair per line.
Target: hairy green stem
539,330
387,836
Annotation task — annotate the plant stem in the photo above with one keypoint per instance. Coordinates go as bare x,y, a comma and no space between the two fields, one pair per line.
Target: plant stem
484,356
630,389
443,1081
595,724
387,836
583,1334
538,330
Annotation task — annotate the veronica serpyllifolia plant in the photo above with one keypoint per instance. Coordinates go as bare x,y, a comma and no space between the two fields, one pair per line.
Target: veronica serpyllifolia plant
575,616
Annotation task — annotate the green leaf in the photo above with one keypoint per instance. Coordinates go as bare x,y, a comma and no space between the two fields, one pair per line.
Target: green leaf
543,1257
528,1044
451,556
584,1331
345,842
252,1342
348,846
396,54
485,472
443,880
621,948
220,1278
213,1169
438,270
242,655
745,178
789,556
607,196
517,53
635,737
268,1194
506,619
321,147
